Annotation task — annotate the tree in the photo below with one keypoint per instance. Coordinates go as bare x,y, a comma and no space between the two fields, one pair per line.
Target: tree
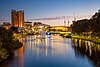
80,26
85,26
95,23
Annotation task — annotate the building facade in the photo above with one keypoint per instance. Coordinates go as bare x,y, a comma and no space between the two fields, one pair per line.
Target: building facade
17,18
28,26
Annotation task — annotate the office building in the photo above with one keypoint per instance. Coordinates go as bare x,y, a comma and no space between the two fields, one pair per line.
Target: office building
17,18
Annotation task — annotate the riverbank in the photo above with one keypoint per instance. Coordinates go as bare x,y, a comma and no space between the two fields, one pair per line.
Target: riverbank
8,44
88,38
6,53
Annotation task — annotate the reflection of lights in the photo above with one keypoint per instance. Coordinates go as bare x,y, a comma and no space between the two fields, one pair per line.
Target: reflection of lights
37,52
80,43
46,41
47,46
46,51
86,44
49,42
89,43
90,51
48,36
30,41
20,53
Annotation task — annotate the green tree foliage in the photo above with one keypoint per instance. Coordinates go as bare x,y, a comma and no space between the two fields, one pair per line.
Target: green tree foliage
35,23
7,43
80,26
6,37
3,52
95,23
88,26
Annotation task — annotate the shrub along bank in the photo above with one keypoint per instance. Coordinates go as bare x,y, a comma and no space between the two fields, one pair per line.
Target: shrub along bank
8,43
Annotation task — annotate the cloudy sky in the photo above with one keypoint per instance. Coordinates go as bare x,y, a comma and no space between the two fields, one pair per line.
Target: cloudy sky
34,9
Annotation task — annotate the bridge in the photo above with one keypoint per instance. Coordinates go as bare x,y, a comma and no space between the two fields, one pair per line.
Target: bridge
59,32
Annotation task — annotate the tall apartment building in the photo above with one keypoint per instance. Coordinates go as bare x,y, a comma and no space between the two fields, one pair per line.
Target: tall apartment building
17,18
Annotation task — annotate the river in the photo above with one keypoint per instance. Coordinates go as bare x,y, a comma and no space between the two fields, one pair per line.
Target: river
54,52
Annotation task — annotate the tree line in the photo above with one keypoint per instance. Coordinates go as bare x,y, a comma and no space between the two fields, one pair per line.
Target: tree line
8,43
87,26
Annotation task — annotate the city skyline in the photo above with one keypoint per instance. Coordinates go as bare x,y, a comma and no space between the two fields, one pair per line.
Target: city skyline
48,8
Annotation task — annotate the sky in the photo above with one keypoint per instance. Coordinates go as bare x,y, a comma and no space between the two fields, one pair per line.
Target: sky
48,8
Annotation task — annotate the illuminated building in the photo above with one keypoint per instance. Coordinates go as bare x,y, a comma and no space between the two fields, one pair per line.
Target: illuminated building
17,18
28,25
38,26
6,25
60,28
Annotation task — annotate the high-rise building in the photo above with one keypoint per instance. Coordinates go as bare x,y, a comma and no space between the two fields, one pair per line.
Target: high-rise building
17,18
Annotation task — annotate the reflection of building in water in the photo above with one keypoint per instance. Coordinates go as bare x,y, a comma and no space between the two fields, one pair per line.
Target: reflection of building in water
39,45
47,47
42,34
20,53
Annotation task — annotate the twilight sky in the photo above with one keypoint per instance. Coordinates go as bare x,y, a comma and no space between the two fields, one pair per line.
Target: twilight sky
48,8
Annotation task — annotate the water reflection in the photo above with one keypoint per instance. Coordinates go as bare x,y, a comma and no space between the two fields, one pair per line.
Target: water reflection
88,49
39,45
47,46
53,52
18,59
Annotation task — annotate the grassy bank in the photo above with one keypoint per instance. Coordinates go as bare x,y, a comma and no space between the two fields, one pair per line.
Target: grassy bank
93,39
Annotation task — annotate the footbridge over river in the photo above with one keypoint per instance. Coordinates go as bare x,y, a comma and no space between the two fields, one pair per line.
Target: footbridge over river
57,32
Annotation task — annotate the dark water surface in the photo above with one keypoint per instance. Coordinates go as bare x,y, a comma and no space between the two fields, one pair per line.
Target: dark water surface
55,52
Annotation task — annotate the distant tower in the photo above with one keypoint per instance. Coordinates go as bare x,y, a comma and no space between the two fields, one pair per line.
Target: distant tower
68,23
64,21
74,17
17,18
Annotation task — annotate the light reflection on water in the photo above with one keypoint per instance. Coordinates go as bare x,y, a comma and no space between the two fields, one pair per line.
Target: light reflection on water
89,50
54,52
53,45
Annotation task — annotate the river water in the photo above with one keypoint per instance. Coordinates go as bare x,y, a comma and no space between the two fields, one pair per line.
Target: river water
54,52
